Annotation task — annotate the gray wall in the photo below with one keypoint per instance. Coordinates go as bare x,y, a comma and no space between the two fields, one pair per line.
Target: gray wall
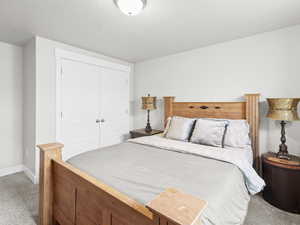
267,63
29,105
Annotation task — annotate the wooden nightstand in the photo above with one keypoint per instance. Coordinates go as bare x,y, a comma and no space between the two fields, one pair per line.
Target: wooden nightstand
141,133
282,179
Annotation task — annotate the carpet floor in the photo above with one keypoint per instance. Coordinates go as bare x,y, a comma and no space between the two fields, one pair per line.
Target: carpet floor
19,205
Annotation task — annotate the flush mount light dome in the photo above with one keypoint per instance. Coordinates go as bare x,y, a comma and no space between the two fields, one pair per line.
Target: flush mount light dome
131,7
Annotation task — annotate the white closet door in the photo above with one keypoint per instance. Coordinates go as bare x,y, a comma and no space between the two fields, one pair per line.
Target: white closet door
115,106
80,107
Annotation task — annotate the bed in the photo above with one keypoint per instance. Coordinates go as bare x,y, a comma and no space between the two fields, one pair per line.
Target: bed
111,186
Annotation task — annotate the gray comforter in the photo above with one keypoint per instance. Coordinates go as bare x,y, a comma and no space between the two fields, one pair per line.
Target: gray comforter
142,172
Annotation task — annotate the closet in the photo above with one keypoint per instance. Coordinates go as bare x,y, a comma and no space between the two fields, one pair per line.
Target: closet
92,105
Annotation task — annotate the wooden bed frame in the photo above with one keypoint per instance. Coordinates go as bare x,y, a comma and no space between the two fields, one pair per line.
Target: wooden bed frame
69,196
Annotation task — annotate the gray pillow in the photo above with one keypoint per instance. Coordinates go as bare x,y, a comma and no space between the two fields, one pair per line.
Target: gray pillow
180,128
209,132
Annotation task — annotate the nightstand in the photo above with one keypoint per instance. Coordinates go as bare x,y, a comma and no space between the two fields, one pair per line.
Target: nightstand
282,179
141,133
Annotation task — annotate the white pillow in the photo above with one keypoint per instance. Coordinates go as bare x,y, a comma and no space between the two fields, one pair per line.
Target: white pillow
237,134
209,132
180,128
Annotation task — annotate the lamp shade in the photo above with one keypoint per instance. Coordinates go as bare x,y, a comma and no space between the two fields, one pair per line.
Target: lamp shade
149,103
284,109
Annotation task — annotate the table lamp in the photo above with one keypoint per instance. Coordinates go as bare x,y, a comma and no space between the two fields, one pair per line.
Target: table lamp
283,109
148,103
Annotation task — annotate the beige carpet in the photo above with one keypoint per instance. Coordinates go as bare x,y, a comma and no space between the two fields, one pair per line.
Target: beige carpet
19,201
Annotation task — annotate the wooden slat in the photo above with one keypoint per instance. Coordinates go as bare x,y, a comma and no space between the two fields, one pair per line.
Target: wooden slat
168,107
64,199
90,212
61,218
252,116
229,110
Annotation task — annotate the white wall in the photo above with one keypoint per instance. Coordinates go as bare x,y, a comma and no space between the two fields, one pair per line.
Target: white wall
29,105
11,106
267,63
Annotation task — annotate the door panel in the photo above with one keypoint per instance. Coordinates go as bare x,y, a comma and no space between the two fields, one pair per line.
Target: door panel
115,106
80,106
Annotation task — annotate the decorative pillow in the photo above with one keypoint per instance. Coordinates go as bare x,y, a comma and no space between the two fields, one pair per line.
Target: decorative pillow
209,132
180,128
237,134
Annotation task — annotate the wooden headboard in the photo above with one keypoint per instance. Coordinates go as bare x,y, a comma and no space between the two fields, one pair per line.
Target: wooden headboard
248,110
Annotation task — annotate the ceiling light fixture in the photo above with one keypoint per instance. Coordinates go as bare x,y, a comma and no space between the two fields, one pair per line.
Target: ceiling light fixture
131,7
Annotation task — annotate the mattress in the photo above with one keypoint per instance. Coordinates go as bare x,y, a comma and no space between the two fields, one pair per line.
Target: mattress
142,172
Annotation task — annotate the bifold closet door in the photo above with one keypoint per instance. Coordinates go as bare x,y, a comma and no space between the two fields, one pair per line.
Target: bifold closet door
94,105
114,106
80,107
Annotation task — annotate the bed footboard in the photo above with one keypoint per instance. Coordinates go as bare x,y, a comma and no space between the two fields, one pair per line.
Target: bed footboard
48,153
70,197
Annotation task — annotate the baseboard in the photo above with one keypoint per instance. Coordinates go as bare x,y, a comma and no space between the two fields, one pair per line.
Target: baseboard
30,175
17,169
11,170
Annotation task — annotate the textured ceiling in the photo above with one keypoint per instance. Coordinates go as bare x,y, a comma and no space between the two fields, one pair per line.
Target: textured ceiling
164,27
